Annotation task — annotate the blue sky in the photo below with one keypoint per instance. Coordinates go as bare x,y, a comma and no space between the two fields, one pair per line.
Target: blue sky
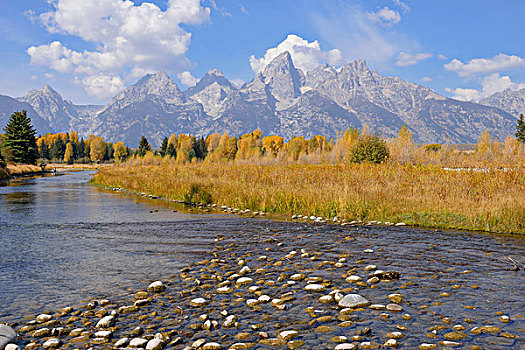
90,50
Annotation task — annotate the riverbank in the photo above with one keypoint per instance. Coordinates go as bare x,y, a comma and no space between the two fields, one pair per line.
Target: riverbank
425,196
21,170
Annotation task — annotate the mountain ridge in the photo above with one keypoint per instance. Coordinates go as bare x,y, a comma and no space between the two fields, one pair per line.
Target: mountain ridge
281,99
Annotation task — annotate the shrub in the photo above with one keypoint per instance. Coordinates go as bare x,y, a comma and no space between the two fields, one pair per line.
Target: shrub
197,194
370,149
433,147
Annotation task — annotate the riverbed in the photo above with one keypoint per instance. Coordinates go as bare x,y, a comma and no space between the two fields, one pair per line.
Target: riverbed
65,243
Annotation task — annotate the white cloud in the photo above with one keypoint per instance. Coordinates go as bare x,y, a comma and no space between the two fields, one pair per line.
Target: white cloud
129,38
497,63
405,59
385,16
50,76
187,79
442,57
34,77
404,7
347,27
305,55
426,79
489,85
103,86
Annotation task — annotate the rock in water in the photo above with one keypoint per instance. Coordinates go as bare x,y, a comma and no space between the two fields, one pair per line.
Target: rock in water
7,335
106,322
156,287
353,301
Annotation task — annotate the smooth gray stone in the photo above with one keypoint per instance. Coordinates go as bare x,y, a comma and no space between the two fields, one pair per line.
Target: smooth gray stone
353,301
7,335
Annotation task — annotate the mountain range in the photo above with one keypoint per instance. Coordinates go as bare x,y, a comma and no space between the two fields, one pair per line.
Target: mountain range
281,100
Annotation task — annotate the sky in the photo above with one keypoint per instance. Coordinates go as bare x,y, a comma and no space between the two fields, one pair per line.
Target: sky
89,50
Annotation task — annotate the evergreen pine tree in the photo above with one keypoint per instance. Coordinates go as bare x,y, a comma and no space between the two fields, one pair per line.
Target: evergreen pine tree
199,146
58,149
171,151
43,150
109,155
81,149
20,138
520,129
164,146
144,146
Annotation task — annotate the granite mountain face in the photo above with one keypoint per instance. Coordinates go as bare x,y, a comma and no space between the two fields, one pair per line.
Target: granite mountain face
508,100
281,99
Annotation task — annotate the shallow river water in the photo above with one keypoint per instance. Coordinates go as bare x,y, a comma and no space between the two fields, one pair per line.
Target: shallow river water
64,242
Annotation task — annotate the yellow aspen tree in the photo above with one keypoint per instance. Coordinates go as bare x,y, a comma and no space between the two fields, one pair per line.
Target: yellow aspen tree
119,151
68,154
97,149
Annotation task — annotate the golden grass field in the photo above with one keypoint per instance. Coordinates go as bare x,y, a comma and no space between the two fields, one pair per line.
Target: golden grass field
23,169
422,195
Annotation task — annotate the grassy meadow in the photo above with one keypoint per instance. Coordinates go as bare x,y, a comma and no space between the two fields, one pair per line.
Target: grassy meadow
439,186
424,195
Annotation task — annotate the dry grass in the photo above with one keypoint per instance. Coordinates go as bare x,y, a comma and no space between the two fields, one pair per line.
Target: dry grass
424,195
23,169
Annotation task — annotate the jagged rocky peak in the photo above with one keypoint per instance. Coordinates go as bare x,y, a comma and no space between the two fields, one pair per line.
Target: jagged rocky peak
284,79
320,74
47,93
158,84
213,76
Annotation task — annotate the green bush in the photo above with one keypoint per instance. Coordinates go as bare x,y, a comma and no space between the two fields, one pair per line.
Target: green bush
197,194
370,149
433,147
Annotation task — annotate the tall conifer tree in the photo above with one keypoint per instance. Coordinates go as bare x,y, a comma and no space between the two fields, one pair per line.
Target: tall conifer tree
20,138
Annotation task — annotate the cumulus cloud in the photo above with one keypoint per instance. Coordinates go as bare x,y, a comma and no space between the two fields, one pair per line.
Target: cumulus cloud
405,59
129,38
385,16
50,76
426,79
187,79
305,55
103,86
345,25
489,85
442,57
497,63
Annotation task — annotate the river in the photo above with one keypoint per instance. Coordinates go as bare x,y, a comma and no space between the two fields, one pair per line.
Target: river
64,242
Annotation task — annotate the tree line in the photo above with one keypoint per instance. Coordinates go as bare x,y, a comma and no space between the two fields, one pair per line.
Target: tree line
19,144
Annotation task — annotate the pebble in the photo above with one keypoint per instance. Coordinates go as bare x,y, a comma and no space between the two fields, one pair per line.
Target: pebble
353,301
7,335
156,287
106,322
198,302
51,343
122,342
43,318
314,287
138,343
346,346
394,308
287,335
154,344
